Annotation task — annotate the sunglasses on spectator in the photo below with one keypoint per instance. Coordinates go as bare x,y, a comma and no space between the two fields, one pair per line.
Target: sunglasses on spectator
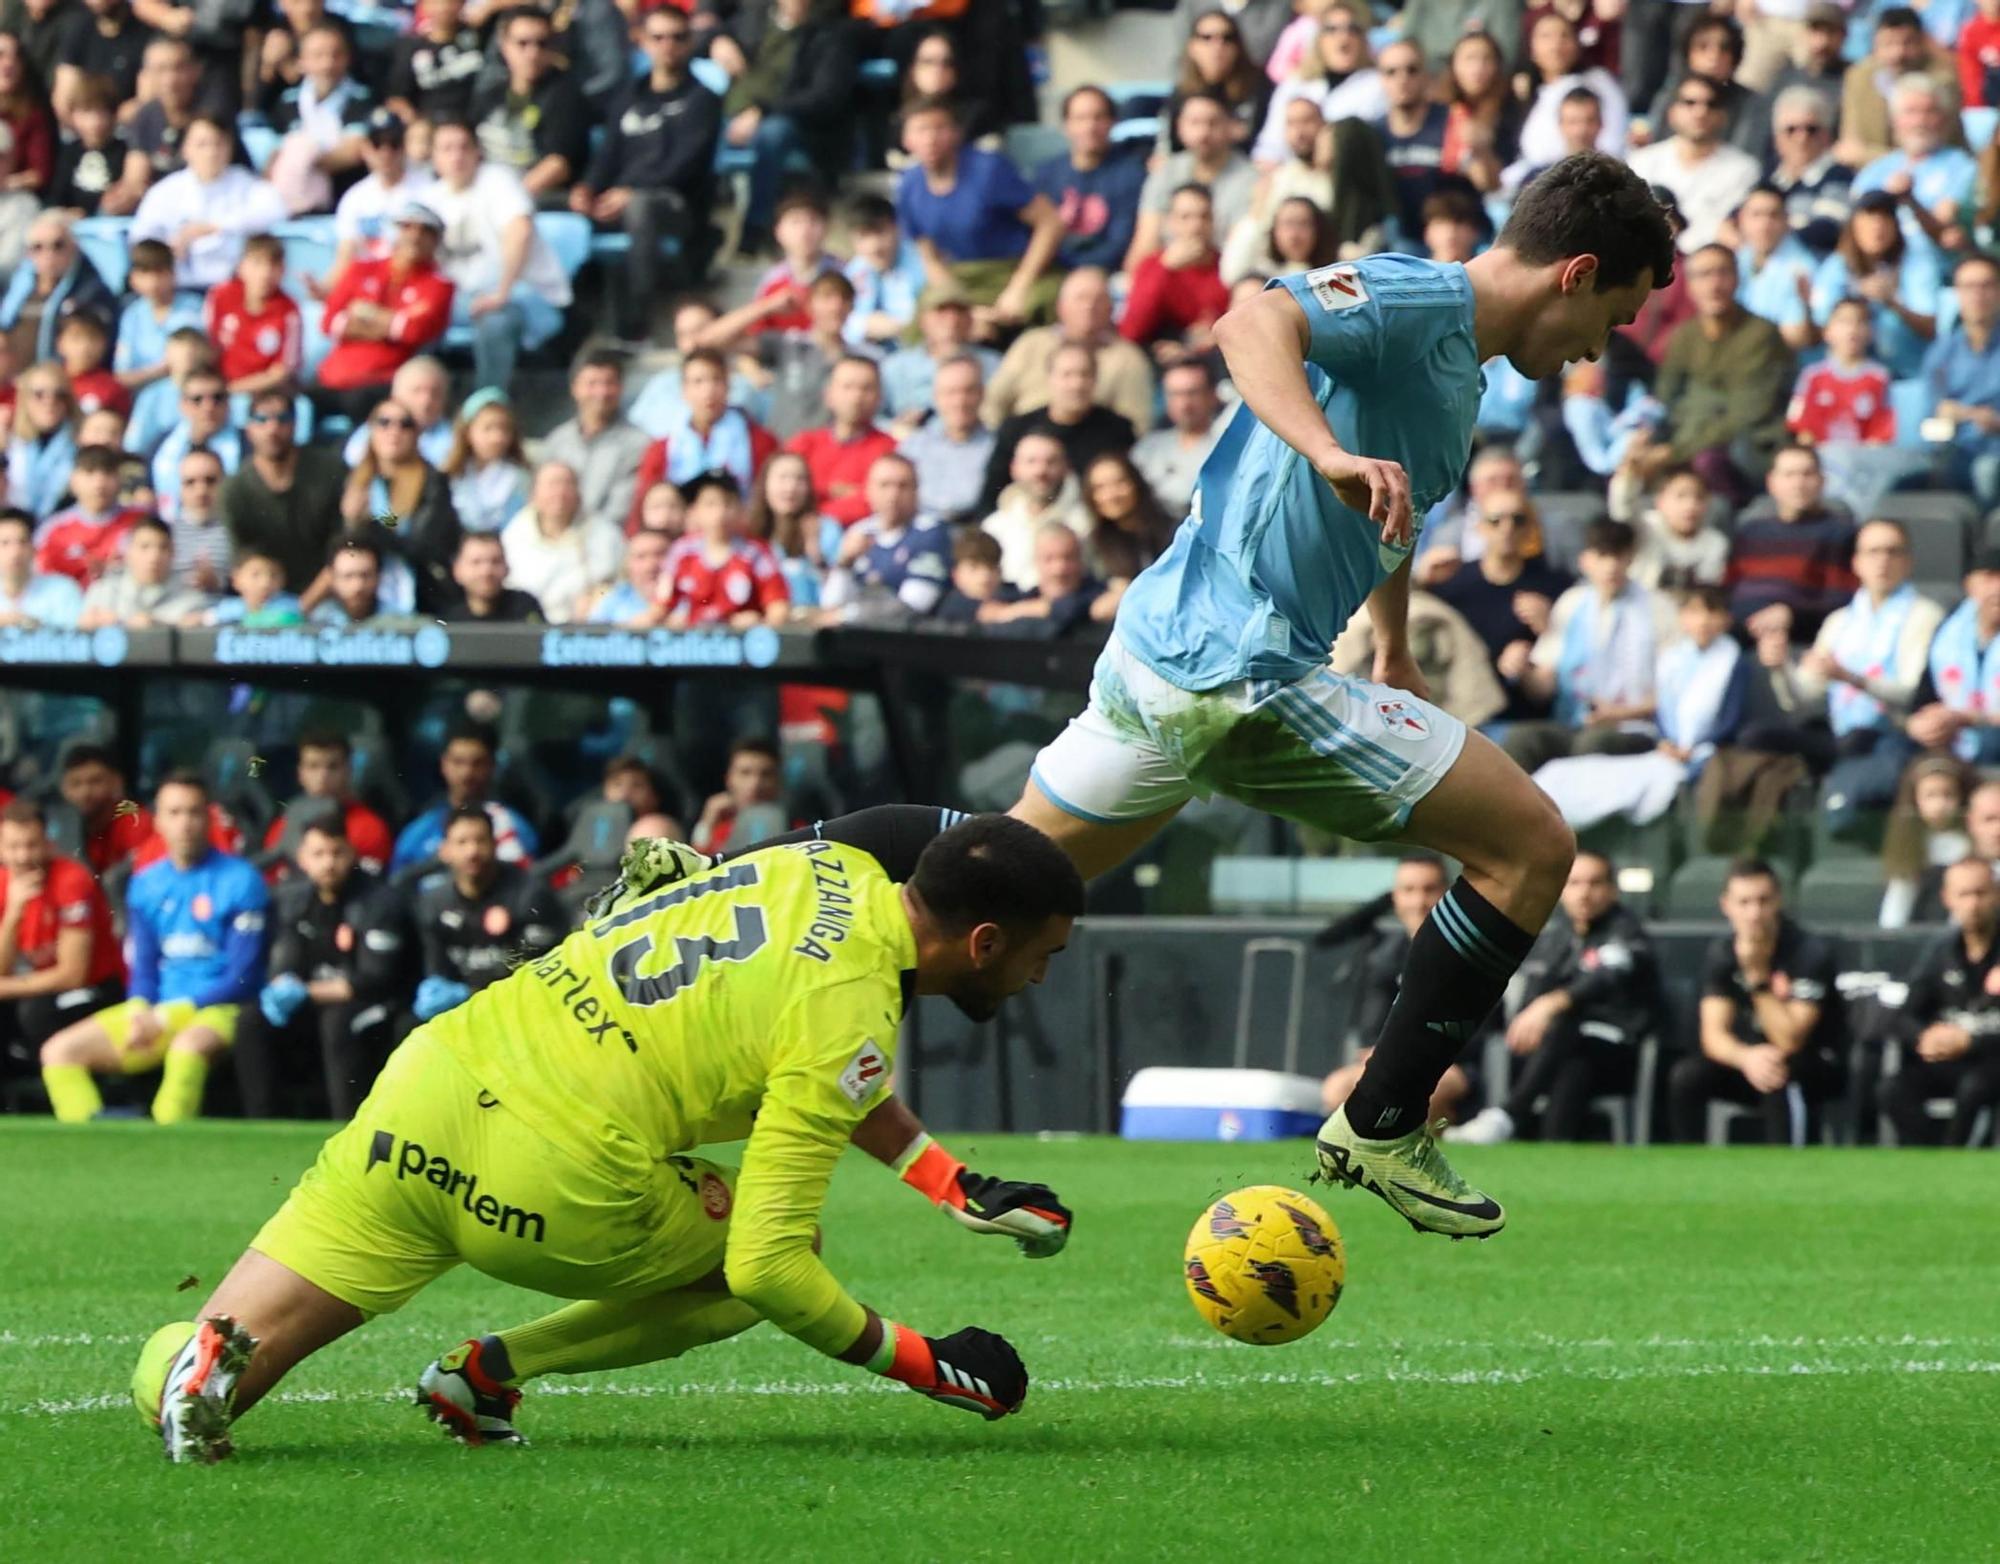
388,421
270,418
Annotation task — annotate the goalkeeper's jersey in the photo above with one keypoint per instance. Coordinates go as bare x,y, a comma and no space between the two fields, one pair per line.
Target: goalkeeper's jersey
765,992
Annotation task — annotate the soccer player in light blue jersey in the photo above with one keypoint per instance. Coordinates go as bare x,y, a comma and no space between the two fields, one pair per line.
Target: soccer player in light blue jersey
1360,383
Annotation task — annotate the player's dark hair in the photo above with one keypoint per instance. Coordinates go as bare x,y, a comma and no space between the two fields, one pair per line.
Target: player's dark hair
470,812
182,777
470,731
24,811
1610,537
1590,204
325,738
1752,869
77,756
996,869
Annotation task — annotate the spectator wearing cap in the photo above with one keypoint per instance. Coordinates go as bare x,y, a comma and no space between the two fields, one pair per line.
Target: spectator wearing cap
56,282
944,322
1962,377
653,178
533,122
707,434
382,312
555,552
511,289
434,70
1899,48
363,222
1171,457
1083,314
1815,184
1094,190
1935,183
205,212
598,445
840,452
792,68
976,220
950,449
323,120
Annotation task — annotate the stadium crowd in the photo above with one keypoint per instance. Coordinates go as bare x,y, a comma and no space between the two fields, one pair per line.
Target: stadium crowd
277,278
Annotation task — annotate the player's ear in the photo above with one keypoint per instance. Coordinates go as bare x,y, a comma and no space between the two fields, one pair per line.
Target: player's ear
1576,273
986,943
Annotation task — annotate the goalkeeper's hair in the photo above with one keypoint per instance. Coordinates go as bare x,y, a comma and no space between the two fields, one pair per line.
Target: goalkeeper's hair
996,869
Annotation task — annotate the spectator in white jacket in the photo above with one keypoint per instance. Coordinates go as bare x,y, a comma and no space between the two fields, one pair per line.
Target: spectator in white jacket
554,552
204,212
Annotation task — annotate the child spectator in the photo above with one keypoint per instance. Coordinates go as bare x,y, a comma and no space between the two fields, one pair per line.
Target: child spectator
143,592
91,159
715,576
1844,397
1177,292
663,510
785,516
487,466
887,273
254,324
261,601
156,408
752,801
975,578
780,301
29,596
83,345
1924,836
1065,594
156,311
1677,547
85,540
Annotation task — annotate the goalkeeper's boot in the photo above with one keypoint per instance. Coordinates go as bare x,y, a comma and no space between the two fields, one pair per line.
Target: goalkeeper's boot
651,863
468,1403
201,1380
1411,1174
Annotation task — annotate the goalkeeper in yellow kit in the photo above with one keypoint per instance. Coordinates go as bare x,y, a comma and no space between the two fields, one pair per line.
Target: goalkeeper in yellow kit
545,1133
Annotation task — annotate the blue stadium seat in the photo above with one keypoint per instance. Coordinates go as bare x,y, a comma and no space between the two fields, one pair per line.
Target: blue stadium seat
1138,99
1145,128
106,242
309,246
567,234
260,141
1979,126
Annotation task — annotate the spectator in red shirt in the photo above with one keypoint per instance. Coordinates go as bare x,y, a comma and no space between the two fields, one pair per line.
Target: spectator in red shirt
1979,58
751,804
839,455
715,576
83,345
382,313
706,435
59,957
1845,397
1177,292
326,770
86,539
780,301
253,323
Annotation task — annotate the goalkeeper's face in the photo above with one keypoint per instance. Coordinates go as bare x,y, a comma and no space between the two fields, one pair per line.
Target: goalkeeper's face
1004,961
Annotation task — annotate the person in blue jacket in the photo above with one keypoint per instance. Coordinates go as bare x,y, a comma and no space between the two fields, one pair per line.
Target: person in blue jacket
471,756
195,950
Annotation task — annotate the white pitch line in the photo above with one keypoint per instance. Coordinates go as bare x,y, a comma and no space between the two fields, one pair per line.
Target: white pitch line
1796,1369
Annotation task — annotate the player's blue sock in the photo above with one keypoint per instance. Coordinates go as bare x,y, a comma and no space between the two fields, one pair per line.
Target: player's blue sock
1459,964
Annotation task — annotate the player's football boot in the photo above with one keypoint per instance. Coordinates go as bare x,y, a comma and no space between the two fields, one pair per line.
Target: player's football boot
461,1397
1411,1174
651,863
201,1381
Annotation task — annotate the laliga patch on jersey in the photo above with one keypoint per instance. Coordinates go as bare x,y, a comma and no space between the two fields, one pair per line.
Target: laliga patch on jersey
1337,287
864,1073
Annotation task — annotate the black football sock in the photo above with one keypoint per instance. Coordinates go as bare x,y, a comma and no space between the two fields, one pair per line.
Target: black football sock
1459,965
894,835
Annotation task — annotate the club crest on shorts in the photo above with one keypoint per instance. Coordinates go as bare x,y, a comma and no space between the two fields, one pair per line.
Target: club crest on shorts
1337,287
1401,717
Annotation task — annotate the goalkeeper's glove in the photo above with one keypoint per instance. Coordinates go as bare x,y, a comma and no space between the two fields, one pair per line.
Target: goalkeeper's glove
972,1369
281,998
1030,1214
435,995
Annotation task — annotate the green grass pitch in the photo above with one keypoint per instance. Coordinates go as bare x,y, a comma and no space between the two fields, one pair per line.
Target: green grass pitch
1669,1354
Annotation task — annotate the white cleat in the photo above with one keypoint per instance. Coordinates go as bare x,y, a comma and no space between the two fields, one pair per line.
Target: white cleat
1487,1127
201,1381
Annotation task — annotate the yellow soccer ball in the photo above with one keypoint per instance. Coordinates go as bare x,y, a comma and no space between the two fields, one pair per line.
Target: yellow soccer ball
1264,1265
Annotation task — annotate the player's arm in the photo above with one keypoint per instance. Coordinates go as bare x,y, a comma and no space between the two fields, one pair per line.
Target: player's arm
1718,1032
142,952
1787,1023
813,1100
1266,343
1389,616
1030,1214
67,971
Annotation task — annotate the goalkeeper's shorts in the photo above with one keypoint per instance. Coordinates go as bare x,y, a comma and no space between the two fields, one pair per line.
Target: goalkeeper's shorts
178,1014
434,1170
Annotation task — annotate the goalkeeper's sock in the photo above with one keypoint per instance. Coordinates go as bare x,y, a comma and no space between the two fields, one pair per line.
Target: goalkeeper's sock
183,1079
1460,963
73,1095
587,1337
894,835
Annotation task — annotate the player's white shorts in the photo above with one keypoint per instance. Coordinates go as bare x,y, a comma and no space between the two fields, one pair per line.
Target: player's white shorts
1342,755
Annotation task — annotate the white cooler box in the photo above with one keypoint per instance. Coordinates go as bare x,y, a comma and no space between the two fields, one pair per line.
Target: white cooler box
1177,1104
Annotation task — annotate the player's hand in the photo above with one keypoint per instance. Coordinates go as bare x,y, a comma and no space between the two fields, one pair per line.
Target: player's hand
1399,670
435,995
281,998
1379,490
1030,1214
971,1369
